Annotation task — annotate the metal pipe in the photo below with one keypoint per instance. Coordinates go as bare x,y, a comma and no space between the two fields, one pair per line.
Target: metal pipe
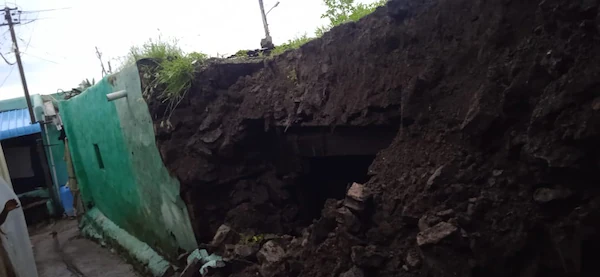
54,177
116,95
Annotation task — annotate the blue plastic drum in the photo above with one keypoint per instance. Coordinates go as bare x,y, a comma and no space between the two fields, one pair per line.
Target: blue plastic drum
66,197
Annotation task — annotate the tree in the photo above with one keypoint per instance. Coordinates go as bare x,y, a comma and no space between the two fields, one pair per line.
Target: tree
342,11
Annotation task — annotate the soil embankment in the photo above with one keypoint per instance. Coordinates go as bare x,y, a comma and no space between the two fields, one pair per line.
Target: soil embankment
474,126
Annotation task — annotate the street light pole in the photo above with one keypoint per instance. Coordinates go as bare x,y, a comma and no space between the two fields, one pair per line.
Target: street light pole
274,6
267,41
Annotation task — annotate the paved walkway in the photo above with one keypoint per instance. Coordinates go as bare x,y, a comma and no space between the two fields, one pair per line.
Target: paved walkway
90,258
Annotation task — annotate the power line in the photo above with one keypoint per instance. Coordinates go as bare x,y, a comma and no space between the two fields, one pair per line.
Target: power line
34,20
44,59
4,58
47,10
42,51
9,73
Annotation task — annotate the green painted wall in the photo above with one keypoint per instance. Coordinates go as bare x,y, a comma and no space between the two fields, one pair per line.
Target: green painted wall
133,189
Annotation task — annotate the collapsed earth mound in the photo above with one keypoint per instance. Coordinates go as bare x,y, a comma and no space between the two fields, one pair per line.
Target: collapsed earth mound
473,125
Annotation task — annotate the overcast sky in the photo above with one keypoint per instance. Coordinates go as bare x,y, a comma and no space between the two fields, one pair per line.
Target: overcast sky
58,47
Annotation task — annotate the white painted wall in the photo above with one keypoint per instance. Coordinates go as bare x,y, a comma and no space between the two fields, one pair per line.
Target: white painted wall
16,242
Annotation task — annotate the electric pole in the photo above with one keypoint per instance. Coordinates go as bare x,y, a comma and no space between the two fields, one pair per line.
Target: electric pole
10,21
264,43
267,42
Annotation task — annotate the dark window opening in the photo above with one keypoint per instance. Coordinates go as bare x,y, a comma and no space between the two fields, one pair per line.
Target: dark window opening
99,156
329,177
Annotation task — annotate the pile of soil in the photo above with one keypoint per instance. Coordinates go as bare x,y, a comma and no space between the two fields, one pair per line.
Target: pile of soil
495,107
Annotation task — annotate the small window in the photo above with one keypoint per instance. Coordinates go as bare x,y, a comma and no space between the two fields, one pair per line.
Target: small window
98,156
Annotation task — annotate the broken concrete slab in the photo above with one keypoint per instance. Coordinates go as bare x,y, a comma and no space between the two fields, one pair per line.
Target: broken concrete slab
356,197
358,192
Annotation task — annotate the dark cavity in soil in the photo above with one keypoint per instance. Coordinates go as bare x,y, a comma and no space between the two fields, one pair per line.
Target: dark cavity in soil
330,161
329,177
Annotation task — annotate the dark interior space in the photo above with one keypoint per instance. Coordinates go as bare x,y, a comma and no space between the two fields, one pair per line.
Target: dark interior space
327,161
26,161
589,258
329,177
28,180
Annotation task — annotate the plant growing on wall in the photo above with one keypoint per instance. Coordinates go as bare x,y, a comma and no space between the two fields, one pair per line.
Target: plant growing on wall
338,12
86,84
174,71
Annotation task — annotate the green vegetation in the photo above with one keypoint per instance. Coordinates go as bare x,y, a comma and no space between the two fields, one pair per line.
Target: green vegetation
158,49
174,72
292,44
338,12
342,11
251,239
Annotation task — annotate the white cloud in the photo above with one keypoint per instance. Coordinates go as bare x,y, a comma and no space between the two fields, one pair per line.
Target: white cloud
59,47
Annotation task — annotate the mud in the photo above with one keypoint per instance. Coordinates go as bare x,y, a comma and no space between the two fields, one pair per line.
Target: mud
490,169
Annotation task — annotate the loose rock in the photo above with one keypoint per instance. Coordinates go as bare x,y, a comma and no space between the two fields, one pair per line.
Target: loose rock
369,257
271,252
356,197
436,234
413,259
445,214
426,221
244,250
347,219
545,195
353,272
434,178
224,235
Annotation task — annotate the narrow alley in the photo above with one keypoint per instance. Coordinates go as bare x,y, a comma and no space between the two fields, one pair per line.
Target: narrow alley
87,256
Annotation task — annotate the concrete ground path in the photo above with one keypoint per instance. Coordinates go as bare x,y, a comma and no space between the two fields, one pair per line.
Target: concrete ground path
90,258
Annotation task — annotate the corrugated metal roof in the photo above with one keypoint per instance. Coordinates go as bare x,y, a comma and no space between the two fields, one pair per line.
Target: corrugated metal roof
16,123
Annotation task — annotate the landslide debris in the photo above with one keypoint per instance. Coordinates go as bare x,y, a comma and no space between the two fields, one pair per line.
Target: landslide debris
492,171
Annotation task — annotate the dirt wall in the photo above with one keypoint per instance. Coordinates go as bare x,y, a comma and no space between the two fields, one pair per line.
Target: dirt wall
492,170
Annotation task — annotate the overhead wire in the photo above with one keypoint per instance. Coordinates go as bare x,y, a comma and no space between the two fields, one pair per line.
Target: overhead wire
47,10
44,59
9,73
5,60
29,40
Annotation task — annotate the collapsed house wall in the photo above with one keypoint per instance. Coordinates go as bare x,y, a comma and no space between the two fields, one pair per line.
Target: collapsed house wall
492,170
118,166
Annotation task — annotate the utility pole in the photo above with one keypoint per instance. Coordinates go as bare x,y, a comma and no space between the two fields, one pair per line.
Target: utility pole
266,25
11,22
267,42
